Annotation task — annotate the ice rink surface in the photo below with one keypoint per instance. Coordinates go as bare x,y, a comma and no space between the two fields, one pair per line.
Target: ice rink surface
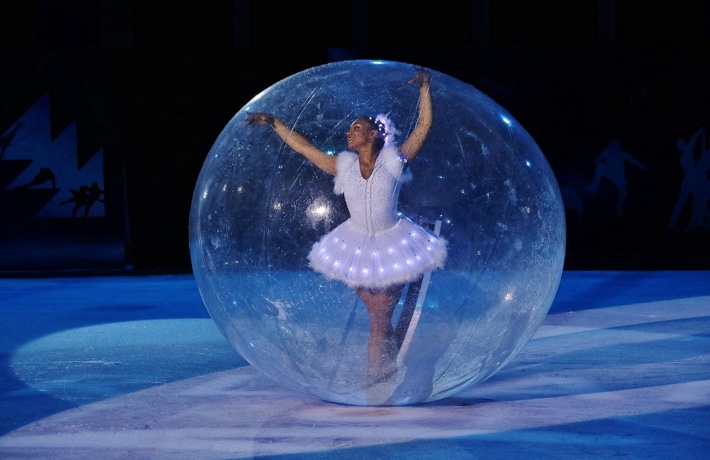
133,367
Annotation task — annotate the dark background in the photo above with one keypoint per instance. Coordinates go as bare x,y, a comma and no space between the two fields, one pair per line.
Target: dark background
154,83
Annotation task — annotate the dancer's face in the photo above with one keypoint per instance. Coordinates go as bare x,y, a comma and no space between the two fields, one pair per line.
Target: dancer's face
361,134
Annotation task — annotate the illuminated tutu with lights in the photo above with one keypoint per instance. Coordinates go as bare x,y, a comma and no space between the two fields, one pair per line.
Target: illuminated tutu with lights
374,248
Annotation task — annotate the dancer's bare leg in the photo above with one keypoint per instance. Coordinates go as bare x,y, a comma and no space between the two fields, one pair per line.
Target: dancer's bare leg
382,347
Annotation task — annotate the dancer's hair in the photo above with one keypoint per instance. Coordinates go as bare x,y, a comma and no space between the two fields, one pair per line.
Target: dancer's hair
385,131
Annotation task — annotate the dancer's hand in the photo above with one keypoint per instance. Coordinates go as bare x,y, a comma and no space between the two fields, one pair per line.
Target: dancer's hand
260,119
422,77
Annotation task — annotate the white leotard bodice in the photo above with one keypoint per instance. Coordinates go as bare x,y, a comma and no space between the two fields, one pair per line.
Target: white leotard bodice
372,202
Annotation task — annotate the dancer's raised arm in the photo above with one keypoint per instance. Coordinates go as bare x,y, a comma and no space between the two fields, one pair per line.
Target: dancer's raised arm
295,140
411,146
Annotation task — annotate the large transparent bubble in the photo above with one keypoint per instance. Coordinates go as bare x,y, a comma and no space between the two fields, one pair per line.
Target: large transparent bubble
259,207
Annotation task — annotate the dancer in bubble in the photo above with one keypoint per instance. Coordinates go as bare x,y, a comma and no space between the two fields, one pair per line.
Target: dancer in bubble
374,251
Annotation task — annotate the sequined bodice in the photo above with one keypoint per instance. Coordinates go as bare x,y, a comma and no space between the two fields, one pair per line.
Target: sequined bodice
372,202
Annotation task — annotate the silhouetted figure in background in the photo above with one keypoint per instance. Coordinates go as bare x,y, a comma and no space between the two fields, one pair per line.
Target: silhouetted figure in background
79,199
6,139
611,165
86,196
44,175
695,185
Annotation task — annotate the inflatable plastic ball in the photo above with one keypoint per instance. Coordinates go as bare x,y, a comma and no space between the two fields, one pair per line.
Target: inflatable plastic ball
479,191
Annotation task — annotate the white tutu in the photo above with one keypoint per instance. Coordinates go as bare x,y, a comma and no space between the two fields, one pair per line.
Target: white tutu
398,255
